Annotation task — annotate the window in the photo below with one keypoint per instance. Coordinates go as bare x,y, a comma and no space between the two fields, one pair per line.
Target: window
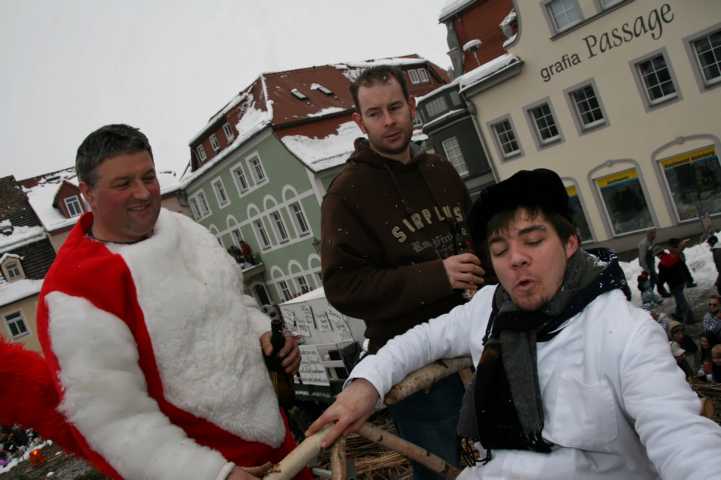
578,217
694,181
256,168
707,50
418,75
506,138
298,94
16,325
236,236
588,109
300,222
656,79
454,154
279,226
228,131
241,182
285,292
609,3
326,91
624,202
262,234
302,284
200,150
12,269
544,124
564,13
436,107
220,195
214,142
73,205
199,203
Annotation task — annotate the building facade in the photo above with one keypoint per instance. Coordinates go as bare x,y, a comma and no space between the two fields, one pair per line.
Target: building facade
260,168
621,97
25,257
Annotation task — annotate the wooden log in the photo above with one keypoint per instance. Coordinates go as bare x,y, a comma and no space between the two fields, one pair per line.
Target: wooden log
338,460
411,451
425,377
296,460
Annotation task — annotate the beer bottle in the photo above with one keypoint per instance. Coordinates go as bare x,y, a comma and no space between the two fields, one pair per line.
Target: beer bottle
282,381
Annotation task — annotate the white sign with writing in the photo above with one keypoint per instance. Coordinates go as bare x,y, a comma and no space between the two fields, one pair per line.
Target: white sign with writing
312,371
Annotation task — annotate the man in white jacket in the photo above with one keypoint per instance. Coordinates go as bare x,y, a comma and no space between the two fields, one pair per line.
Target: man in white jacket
572,381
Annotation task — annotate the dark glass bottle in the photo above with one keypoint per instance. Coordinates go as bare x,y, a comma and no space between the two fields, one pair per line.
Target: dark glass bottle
282,381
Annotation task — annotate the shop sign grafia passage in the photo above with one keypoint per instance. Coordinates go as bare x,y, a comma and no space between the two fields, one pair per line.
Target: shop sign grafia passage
597,44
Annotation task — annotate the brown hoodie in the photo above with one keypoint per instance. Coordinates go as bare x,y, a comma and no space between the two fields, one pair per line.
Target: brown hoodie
385,229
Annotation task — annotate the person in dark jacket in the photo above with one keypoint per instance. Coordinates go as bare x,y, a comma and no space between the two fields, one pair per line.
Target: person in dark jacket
672,271
716,253
394,245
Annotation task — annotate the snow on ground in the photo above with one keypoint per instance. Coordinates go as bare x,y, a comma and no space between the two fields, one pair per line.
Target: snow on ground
703,270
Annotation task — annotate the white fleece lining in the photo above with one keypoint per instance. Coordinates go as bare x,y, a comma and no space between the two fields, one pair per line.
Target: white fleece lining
105,397
204,330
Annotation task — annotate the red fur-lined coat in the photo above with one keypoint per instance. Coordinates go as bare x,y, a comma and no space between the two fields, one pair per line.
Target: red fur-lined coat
154,355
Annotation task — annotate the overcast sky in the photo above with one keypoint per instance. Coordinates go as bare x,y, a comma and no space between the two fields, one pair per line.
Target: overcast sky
70,66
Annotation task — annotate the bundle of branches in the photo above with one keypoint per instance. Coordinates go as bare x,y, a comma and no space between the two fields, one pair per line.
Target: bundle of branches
372,461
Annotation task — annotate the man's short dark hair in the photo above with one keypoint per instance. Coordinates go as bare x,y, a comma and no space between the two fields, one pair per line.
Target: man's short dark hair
106,142
378,74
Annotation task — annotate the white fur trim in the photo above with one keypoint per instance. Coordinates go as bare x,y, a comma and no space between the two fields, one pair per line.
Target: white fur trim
105,397
204,329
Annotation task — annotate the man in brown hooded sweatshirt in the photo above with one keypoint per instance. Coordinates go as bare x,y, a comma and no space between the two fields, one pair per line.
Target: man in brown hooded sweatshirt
394,249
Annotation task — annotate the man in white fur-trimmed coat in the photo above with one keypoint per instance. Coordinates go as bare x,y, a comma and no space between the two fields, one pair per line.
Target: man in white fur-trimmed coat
153,347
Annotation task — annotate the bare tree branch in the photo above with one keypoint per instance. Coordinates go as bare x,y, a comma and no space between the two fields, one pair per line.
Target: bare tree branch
425,377
411,451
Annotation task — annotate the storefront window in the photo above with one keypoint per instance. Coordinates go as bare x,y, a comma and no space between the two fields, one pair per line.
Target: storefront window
694,180
624,201
579,218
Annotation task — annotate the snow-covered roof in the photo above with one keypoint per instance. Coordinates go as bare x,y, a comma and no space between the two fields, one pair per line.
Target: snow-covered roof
312,295
237,100
453,6
168,181
19,289
21,236
42,196
510,40
327,111
397,61
508,19
253,121
444,117
322,153
487,70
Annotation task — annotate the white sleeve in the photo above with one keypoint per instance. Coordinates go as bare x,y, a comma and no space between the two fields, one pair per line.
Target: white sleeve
446,336
106,399
665,409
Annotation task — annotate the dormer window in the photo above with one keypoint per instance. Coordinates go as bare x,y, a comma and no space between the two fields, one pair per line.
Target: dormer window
298,94
418,75
229,135
322,89
12,268
73,206
200,150
214,142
